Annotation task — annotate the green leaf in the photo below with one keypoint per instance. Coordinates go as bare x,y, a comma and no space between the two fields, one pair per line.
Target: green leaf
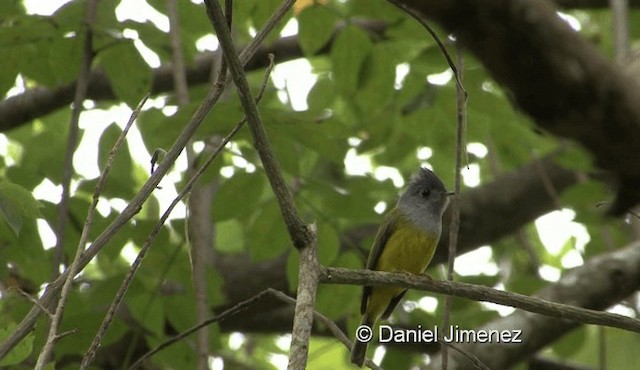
328,243
179,310
145,309
229,237
267,235
129,74
378,79
9,8
261,13
120,182
327,353
381,10
349,51
39,141
21,351
575,158
16,204
569,344
238,196
326,137
322,94
65,56
286,150
348,295
315,27
397,360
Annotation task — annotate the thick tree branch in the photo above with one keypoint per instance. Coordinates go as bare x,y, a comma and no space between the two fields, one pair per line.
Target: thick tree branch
555,76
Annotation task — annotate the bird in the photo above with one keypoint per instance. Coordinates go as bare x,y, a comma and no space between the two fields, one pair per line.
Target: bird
405,242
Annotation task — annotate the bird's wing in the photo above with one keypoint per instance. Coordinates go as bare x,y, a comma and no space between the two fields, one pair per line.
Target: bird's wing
384,232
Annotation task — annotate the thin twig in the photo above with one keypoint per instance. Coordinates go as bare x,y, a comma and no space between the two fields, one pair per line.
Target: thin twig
92,208
231,311
297,229
620,24
435,37
455,206
34,301
72,140
199,229
334,275
546,182
100,185
475,361
134,206
158,226
178,68
602,348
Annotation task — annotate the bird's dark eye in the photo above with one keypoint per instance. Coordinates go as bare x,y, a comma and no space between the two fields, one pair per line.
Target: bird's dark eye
425,193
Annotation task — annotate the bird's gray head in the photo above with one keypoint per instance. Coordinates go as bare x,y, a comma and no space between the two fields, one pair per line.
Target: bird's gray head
424,200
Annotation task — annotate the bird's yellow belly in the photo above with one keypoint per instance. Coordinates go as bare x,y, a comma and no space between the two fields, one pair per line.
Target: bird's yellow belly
408,249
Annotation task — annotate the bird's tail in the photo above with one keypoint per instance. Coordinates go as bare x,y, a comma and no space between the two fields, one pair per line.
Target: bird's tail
359,349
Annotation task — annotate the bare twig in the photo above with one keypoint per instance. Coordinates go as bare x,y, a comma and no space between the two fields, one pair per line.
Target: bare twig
72,140
455,206
34,301
199,225
178,68
303,318
332,275
96,196
231,311
92,208
477,363
602,348
435,37
620,14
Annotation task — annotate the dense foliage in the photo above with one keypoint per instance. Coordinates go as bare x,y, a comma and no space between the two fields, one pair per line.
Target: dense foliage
371,100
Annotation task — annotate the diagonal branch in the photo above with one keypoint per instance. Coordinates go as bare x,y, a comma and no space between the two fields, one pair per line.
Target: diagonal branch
303,237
